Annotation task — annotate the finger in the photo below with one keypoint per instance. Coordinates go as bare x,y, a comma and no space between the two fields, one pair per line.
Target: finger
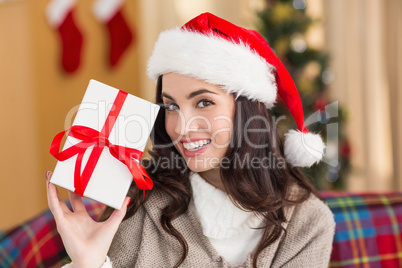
118,215
56,205
76,202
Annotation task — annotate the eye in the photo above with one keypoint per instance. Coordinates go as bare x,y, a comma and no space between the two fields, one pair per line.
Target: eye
171,107
204,103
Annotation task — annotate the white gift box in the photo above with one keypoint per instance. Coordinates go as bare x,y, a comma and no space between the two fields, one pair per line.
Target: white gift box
111,179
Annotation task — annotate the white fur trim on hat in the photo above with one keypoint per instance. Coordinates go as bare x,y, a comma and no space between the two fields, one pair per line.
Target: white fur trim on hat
303,149
210,58
57,10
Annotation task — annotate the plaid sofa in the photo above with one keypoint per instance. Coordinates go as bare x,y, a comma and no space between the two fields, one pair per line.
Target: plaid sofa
368,229
368,234
36,243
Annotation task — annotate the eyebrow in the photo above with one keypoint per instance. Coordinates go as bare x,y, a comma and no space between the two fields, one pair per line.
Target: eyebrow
191,95
198,92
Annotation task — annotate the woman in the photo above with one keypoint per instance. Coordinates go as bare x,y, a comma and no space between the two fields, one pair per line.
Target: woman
227,193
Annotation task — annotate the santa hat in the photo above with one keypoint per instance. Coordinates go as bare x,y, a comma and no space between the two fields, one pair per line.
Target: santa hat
240,60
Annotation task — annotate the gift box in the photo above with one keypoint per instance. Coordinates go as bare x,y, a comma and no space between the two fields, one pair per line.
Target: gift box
102,152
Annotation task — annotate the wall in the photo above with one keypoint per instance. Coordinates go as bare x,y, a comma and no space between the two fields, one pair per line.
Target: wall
365,46
393,32
36,95
19,161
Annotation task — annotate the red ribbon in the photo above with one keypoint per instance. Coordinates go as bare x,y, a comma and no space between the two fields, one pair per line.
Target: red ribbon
91,137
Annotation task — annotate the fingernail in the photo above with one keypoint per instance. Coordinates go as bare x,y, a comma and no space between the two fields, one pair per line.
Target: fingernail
48,175
129,200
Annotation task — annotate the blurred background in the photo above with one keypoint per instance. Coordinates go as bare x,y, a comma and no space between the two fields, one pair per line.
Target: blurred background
344,55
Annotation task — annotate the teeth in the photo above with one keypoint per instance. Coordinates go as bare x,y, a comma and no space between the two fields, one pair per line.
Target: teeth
193,146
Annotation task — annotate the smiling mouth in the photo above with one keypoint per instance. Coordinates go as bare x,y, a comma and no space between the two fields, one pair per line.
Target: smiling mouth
195,145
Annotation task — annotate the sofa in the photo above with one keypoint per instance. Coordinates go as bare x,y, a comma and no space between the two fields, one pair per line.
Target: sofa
368,233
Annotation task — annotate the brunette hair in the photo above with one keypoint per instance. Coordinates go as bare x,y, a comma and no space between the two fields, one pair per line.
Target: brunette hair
264,191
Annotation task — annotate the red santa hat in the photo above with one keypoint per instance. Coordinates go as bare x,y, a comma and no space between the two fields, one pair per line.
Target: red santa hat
240,60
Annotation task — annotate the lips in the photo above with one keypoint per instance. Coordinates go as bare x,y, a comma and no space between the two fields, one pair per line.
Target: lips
193,147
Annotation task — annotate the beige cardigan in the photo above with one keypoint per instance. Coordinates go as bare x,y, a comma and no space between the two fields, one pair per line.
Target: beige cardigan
141,241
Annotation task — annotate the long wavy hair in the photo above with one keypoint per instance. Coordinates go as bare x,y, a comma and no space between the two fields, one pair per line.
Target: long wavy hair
265,191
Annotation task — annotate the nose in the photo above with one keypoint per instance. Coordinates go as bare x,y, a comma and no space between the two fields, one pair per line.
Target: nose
190,122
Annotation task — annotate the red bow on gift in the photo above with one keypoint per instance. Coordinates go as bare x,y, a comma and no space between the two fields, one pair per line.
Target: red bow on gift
91,137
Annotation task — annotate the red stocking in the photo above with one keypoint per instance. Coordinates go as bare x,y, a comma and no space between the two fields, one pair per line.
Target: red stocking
109,12
60,16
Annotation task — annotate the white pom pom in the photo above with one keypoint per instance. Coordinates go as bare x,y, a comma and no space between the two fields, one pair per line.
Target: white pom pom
303,149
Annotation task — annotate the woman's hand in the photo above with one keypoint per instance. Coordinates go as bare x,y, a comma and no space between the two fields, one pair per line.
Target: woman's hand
86,241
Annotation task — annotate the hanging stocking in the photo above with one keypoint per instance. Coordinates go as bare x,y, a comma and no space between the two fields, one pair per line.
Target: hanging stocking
60,16
109,13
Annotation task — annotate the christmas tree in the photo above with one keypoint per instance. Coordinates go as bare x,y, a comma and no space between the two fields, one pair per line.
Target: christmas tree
285,25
